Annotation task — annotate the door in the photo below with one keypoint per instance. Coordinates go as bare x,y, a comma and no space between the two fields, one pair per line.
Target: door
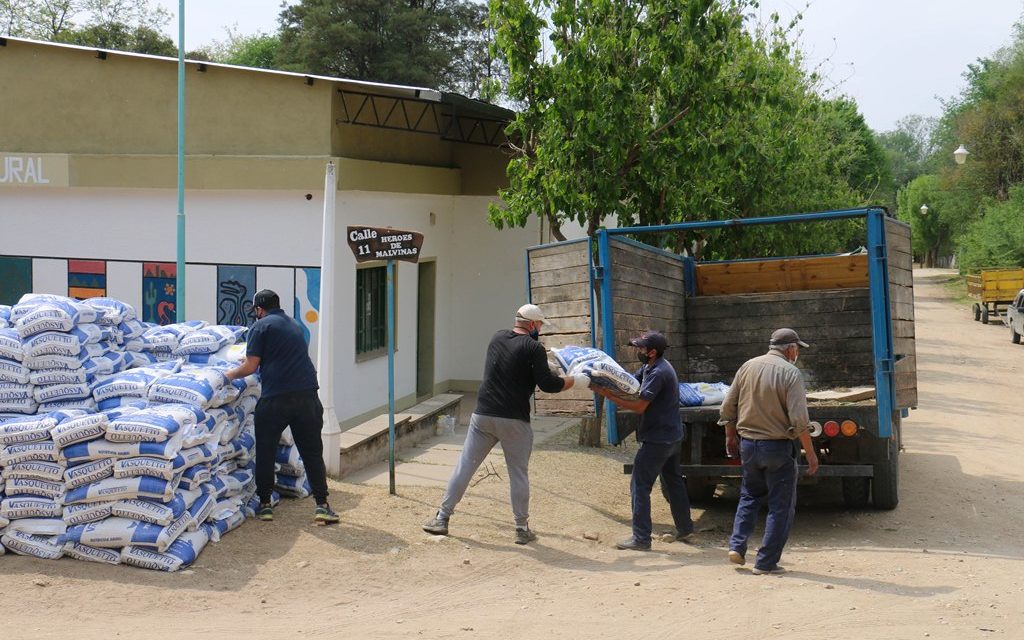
427,296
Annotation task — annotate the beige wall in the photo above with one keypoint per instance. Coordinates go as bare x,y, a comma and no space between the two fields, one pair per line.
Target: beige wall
116,119
63,100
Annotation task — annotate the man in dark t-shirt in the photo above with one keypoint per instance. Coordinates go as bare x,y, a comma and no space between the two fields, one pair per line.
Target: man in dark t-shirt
660,435
516,365
277,348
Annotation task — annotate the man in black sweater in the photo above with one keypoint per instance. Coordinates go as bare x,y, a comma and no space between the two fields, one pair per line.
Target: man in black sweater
516,365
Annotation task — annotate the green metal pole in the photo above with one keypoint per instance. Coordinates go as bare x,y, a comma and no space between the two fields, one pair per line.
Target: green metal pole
391,377
179,307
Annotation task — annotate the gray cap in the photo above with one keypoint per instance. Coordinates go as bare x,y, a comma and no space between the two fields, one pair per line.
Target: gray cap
784,337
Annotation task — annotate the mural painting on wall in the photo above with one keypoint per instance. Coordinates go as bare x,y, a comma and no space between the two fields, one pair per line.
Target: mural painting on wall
15,278
236,286
307,302
87,278
159,292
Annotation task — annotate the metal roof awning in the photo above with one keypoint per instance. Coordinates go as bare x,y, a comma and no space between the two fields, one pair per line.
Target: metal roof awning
453,117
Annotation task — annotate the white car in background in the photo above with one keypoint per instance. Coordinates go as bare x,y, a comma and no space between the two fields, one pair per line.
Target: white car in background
1015,317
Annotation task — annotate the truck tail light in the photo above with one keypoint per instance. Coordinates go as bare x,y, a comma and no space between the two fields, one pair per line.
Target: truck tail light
848,428
831,428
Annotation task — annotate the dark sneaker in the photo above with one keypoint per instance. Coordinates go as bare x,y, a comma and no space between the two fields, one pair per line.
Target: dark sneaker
736,557
325,515
632,544
525,536
775,571
437,525
265,512
684,537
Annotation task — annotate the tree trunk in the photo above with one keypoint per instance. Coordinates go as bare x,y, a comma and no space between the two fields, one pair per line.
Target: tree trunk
590,432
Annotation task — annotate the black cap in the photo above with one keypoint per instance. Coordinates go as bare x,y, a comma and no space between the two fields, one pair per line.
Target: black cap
266,299
783,337
651,340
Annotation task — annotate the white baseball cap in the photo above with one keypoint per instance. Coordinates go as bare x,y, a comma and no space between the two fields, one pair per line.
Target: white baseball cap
531,312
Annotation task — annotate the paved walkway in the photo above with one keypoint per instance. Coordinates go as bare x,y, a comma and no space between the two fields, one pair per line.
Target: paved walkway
430,463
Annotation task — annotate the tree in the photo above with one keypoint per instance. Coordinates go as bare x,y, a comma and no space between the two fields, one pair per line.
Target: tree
932,233
259,50
997,238
656,111
120,37
48,19
429,43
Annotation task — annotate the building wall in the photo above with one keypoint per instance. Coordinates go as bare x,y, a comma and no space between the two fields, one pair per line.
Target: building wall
276,236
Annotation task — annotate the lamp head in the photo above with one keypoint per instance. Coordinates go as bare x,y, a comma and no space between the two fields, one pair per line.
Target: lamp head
960,155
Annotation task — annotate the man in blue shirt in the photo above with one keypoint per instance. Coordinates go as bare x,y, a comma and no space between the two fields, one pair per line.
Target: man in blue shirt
660,435
277,348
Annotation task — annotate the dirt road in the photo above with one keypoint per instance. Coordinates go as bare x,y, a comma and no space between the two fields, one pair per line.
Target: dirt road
948,563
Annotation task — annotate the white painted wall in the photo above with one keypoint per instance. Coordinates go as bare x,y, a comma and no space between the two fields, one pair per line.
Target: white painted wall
123,282
50,276
480,270
222,227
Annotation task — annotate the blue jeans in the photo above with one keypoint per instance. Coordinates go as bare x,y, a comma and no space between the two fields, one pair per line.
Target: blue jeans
769,472
652,460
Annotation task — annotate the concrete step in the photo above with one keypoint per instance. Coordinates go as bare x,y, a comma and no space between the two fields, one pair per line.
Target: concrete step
367,443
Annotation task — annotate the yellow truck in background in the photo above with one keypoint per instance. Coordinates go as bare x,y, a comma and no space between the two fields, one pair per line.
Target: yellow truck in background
993,290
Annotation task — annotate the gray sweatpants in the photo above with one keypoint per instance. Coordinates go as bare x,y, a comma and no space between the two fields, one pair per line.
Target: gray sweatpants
516,438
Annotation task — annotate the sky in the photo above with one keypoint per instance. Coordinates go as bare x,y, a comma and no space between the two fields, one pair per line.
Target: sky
894,57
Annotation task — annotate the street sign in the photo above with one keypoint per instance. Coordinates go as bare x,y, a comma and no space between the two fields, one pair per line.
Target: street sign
373,243
370,244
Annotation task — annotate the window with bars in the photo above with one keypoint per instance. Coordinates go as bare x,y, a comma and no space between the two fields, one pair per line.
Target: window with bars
371,311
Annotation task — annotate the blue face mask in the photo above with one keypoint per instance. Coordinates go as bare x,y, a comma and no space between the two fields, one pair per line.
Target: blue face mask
535,334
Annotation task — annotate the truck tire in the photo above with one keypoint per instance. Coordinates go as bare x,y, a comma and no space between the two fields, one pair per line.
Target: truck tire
984,315
885,484
1015,337
856,492
977,312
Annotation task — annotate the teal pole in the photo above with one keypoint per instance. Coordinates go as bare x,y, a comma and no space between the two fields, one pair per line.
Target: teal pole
391,376
179,307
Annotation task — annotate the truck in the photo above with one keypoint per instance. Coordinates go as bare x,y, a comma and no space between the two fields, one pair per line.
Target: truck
856,310
992,290
1015,317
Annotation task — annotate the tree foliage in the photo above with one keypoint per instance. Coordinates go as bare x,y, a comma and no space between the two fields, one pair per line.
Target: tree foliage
974,200
48,19
997,238
931,233
657,111
120,37
429,43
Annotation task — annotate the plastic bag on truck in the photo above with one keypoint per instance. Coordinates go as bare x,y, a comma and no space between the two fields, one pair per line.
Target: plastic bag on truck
599,367
689,396
713,392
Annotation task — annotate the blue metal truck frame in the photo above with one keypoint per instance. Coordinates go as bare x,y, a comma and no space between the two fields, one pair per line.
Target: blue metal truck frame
886,411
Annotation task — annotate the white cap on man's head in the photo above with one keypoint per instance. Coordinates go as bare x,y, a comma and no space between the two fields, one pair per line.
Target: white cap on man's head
531,312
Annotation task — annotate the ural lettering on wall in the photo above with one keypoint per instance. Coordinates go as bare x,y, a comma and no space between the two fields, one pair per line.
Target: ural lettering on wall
28,170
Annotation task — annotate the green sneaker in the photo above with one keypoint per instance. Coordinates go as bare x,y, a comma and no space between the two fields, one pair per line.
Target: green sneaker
325,515
265,513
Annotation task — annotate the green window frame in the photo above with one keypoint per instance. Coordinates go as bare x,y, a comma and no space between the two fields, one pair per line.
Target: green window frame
371,312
